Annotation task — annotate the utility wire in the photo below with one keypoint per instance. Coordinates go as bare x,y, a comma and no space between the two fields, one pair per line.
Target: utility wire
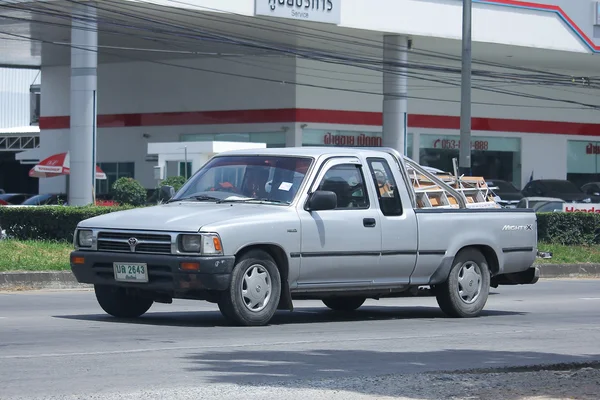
65,15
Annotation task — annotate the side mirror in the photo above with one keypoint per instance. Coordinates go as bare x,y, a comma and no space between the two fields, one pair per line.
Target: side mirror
166,193
322,200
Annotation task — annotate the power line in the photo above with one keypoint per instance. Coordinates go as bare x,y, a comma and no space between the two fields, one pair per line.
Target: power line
68,16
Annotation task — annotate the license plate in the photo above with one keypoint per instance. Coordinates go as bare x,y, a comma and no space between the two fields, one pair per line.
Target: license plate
131,272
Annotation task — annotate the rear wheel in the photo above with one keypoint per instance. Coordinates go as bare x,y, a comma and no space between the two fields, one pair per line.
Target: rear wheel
466,290
254,291
344,303
118,303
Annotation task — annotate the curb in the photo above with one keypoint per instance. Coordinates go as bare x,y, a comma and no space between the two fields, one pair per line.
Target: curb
66,279
40,280
569,270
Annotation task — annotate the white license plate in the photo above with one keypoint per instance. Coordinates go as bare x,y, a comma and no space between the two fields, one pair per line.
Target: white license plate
131,272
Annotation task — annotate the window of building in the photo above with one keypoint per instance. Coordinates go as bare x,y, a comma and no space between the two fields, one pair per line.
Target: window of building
347,182
491,157
114,171
182,169
34,104
271,139
583,162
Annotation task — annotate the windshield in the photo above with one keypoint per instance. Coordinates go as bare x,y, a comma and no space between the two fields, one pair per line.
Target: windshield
242,178
503,186
43,199
548,206
561,186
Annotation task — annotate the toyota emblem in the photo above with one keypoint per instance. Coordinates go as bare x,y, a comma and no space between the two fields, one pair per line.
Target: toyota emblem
132,243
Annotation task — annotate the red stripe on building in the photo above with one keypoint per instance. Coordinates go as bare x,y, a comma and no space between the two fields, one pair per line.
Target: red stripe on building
302,115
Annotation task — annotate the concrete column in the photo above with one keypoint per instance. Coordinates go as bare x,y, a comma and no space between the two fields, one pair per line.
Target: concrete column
293,136
395,87
82,136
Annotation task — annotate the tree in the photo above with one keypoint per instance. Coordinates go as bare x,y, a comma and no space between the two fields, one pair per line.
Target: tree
129,191
176,181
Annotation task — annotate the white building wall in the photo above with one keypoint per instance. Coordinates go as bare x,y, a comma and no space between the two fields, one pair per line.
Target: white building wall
134,88
443,18
492,23
131,88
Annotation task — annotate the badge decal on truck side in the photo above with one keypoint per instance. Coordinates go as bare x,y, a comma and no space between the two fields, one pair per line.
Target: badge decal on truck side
517,227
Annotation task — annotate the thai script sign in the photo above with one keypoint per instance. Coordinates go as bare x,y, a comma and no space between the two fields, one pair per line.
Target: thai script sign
325,11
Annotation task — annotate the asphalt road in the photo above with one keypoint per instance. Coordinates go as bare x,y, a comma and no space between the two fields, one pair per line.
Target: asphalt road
61,343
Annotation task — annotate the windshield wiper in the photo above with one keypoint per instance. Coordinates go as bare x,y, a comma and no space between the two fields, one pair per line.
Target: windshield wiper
253,199
198,198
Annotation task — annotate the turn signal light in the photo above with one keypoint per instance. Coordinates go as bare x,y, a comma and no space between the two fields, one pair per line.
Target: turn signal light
217,244
190,266
78,260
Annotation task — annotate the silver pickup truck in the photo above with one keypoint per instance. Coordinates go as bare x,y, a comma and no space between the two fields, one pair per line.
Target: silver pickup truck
254,230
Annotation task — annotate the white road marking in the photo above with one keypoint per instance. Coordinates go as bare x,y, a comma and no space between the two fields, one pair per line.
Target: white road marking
287,344
589,298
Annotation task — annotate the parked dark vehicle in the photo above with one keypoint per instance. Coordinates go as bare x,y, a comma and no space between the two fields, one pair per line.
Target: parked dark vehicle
509,195
14,198
592,188
558,188
46,199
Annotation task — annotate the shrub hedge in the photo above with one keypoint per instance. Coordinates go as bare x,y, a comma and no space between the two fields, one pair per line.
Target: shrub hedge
58,223
48,222
571,229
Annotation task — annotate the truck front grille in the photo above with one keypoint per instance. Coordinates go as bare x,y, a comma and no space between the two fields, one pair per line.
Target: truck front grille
134,242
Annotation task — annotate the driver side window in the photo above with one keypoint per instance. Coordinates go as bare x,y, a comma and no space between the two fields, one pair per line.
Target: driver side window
347,182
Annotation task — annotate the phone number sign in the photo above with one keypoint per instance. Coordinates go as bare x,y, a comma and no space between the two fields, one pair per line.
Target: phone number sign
452,144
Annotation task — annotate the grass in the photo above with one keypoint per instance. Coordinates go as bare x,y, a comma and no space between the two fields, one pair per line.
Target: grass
570,254
34,255
54,256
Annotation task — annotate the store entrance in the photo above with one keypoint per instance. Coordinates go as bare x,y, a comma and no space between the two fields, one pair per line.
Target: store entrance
488,164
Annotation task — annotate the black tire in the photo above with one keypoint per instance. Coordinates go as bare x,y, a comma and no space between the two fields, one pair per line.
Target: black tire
233,304
344,303
447,293
118,303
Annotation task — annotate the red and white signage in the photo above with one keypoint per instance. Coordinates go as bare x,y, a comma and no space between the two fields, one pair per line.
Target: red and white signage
588,208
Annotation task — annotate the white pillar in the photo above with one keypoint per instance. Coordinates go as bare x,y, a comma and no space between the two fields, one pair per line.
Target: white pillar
293,136
82,136
395,88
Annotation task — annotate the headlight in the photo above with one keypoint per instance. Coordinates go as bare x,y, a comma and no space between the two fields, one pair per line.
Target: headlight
209,244
85,238
588,200
191,243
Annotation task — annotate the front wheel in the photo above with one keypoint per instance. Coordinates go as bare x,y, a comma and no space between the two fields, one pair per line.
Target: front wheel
466,290
118,303
254,290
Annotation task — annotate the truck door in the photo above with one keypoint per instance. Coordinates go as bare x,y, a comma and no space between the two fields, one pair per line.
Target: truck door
399,235
343,245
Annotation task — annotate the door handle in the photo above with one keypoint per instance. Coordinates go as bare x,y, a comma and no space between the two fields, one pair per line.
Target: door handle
369,222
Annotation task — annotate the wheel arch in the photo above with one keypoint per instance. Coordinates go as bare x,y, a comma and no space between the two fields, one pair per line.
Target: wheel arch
443,271
283,264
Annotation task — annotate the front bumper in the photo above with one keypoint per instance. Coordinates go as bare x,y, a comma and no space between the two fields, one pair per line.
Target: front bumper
164,272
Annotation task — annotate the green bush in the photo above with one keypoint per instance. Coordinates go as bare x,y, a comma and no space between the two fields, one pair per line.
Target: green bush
56,223
176,181
129,191
59,222
572,229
